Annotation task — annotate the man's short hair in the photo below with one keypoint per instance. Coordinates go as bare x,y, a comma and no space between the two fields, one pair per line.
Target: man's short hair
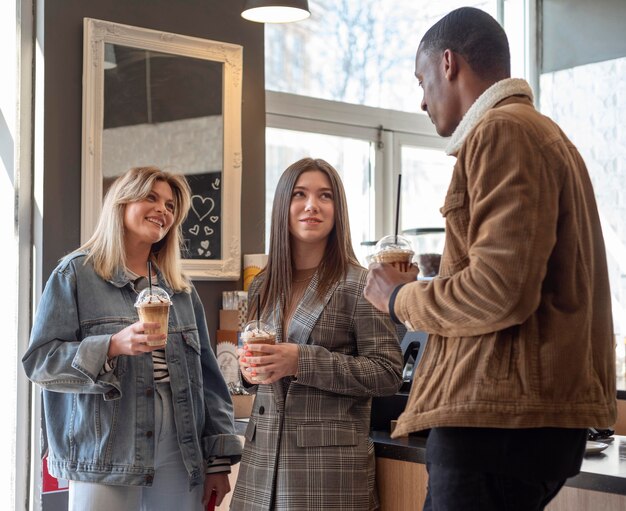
476,36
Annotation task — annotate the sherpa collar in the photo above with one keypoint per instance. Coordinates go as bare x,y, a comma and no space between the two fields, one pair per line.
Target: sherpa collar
493,95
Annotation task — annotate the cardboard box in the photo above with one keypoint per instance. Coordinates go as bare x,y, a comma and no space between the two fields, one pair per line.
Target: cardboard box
242,405
227,336
229,319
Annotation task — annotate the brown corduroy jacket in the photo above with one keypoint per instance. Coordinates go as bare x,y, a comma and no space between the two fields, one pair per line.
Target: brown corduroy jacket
520,317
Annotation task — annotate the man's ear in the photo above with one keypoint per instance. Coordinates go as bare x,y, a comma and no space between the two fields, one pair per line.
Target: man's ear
450,64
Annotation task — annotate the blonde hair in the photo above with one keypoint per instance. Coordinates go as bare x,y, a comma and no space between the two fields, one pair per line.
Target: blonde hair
105,249
338,255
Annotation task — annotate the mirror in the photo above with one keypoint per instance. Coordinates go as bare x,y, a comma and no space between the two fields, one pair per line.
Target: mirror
173,101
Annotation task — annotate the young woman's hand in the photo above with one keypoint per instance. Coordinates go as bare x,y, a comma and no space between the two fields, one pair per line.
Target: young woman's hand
270,362
133,340
245,367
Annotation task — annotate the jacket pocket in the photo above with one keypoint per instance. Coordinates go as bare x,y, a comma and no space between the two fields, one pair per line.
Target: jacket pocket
502,351
326,434
455,252
250,431
192,351
192,340
453,200
430,357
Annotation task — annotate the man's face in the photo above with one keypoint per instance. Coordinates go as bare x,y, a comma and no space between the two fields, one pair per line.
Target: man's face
439,99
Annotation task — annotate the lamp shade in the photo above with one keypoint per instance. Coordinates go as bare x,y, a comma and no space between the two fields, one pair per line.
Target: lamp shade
275,11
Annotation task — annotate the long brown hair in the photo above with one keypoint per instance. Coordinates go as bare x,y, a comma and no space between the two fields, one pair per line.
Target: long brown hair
339,254
105,249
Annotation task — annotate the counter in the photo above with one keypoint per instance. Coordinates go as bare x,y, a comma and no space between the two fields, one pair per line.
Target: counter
402,478
601,484
604,472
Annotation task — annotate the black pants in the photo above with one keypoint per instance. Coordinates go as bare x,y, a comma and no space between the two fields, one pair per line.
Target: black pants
451,489
487,469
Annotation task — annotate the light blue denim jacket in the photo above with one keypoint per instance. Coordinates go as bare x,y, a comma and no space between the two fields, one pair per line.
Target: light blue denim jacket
100,427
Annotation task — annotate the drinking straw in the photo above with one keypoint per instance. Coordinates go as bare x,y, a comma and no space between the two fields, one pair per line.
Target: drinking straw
258,312
398,208
150,276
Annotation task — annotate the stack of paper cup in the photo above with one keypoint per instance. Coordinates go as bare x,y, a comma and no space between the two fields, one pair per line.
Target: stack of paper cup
252,265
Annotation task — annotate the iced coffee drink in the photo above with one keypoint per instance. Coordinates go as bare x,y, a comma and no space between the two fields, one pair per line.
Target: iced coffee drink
153,306
254,333
395,250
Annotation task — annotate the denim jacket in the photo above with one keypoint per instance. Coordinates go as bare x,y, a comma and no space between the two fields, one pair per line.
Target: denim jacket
99,427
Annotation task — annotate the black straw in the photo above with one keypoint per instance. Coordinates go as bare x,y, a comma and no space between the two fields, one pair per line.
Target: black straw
398,208
258,312
150,276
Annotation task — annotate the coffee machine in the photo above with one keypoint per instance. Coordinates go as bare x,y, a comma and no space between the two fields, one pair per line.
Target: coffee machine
388,408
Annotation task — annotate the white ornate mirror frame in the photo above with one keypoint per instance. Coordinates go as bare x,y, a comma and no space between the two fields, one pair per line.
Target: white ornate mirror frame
96,34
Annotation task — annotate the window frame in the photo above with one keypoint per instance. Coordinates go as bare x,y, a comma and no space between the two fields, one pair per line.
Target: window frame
387,129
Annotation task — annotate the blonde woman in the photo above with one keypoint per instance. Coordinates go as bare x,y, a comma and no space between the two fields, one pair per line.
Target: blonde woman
307,443
133,427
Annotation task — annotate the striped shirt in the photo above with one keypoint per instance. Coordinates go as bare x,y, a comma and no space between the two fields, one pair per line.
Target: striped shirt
162,375
160,370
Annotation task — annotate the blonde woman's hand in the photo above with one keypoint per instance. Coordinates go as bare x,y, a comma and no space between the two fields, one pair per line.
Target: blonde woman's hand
217,483
276,361
133,340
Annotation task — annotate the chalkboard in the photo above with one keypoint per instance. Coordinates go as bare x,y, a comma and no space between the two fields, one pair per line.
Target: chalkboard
202,231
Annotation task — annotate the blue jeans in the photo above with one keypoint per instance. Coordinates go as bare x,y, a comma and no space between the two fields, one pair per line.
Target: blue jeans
453,489
170,488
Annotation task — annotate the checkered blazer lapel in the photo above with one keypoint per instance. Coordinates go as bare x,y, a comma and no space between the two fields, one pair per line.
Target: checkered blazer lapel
308,311
302,323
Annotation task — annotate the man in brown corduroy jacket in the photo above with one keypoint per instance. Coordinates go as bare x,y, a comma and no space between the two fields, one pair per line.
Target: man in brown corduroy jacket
520,358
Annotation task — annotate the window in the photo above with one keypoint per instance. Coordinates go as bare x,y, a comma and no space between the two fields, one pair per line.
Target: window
426,174
357,51
350,81
592,114
352,159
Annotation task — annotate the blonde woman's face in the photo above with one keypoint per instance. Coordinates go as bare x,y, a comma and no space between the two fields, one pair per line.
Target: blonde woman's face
147,221
312,209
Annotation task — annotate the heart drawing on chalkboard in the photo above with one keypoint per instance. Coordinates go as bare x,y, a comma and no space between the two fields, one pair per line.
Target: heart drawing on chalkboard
204,250
214,218
195,229
202,206
207,230
216,184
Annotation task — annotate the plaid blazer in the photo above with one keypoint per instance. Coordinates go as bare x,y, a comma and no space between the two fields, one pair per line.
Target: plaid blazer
309,448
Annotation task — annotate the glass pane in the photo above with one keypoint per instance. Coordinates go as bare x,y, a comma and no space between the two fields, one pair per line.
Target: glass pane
592,114
352,158
426,175
355,51
515,28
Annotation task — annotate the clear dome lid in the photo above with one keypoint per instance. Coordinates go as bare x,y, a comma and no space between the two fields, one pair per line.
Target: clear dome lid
154,296
257,329
394,243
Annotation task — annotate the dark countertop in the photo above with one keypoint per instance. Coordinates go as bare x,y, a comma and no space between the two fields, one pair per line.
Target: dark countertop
604,472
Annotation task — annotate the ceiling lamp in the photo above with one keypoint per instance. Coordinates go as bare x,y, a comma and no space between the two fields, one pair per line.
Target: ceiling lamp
275,11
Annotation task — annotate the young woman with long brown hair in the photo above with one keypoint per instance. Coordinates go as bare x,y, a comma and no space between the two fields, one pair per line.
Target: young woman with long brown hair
307,443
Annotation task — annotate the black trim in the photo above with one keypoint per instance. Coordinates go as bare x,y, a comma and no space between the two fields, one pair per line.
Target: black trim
392,302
